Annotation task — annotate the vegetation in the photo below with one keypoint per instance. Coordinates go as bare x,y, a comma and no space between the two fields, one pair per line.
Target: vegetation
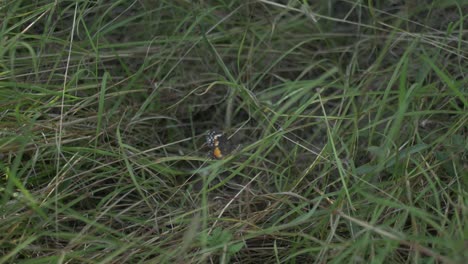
347,122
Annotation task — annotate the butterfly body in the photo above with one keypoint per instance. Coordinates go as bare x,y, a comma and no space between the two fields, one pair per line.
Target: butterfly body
218,143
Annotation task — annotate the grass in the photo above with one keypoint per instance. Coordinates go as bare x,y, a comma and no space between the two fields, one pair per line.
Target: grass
348,121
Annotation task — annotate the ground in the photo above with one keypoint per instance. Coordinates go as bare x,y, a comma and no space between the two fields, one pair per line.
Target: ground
342,131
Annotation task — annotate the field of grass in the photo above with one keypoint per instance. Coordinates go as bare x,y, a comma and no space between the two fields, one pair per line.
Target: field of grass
347,123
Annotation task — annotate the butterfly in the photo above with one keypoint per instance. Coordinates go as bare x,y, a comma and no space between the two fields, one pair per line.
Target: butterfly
219,144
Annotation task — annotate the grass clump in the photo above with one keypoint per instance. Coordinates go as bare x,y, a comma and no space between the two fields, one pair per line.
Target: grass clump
347,123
